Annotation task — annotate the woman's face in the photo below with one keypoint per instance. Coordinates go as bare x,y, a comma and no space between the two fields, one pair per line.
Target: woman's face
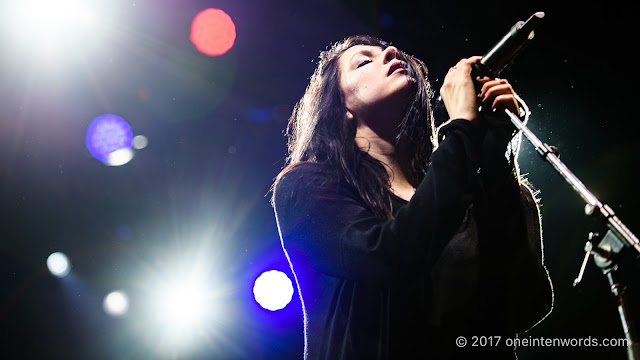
374,81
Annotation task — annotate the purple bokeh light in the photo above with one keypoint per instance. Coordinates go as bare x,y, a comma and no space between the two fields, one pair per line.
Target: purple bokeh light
107,134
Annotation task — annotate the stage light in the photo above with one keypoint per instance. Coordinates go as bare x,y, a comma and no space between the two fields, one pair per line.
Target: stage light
39,21
182,306
213,32
183,294
183,312
116,303
273,290
109,139
59,264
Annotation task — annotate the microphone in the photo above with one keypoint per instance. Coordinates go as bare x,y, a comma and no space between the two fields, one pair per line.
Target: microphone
500,55
505,50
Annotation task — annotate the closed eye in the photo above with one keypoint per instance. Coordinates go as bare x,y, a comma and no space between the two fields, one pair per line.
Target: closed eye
364,62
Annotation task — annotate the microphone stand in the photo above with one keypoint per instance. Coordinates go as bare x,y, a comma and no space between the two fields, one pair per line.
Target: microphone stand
610,248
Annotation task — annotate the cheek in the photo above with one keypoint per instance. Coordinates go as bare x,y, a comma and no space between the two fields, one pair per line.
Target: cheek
356,95
348,92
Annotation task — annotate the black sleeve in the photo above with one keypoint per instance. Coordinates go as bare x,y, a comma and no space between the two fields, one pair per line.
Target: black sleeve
325,225
515,278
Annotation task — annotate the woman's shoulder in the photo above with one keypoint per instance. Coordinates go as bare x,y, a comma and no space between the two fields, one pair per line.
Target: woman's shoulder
306,174
304,178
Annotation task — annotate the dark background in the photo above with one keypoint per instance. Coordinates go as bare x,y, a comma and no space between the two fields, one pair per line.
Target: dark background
199,191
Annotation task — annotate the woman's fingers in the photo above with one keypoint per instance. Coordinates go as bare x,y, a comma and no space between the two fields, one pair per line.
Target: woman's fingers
507,101
491,86
499,93
458,91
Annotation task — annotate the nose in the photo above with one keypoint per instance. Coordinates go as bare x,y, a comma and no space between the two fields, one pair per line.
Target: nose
390,53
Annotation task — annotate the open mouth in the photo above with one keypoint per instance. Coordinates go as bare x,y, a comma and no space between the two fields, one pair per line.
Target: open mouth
397,65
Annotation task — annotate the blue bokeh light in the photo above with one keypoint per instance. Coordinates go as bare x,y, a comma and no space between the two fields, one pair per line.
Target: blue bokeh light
261,115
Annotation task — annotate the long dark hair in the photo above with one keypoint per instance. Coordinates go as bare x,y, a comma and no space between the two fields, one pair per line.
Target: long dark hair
319,132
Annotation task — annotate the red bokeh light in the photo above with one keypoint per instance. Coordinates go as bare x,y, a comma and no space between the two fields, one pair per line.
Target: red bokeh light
213,32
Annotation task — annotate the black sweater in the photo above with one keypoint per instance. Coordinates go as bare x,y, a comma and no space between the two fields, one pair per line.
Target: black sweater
462,258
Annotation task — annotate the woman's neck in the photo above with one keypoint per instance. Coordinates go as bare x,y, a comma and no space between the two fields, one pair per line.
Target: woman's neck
396,161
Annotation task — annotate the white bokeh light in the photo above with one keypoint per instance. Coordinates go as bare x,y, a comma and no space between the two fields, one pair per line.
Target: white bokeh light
116,303
273,290
58,264
140,142
119,157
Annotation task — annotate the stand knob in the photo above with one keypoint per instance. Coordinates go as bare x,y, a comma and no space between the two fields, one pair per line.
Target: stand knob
587,248
600,255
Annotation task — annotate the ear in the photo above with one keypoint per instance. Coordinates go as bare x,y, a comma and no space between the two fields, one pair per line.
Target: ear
349,114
